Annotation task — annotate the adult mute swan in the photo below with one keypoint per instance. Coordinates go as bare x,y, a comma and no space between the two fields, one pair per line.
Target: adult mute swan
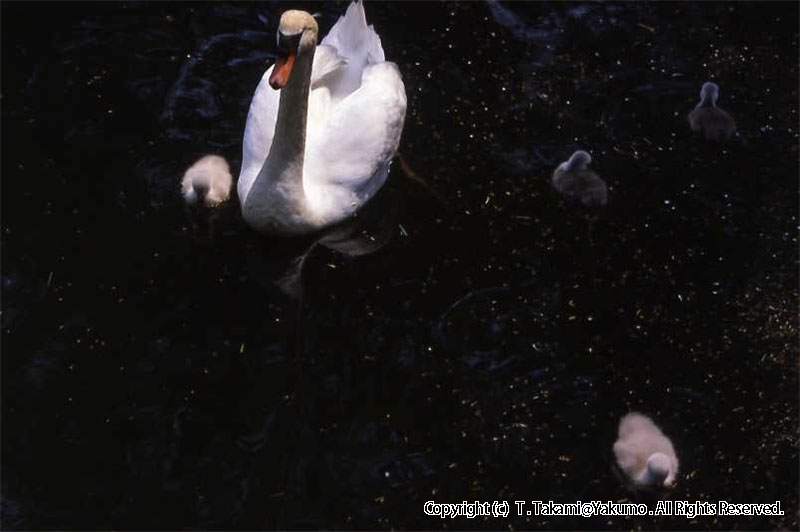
323,126
644,454
577,183
207,182
711,121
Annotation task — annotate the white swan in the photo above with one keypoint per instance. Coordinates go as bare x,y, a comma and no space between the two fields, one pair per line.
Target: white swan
578,184
711,121
323,126
207,181
644,454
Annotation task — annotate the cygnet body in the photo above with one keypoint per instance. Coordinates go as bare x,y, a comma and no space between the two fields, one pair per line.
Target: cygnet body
578,184
709,120
207,182
644,454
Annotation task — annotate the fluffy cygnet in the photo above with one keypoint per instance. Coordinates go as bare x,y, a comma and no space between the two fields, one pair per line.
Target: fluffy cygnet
711,121
644,454
207,182
578,184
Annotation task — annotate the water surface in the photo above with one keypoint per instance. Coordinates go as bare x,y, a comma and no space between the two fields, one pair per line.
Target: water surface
154,377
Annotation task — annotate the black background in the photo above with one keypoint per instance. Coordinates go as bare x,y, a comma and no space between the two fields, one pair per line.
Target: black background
150,374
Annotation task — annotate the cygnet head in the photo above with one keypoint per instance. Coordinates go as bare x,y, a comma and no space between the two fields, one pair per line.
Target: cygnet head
579,161
709,93
658,469
297,35
207,182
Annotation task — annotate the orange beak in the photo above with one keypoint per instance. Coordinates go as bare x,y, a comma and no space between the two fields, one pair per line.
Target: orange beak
282,70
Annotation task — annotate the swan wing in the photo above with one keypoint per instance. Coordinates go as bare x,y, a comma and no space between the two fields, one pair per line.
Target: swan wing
360,135
327,61
358,44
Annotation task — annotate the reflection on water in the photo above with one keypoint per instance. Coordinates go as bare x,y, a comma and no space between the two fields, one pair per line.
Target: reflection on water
482,344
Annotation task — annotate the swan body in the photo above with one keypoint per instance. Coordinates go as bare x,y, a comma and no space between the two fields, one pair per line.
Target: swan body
711,121
644,454
578,184
323,126
207,182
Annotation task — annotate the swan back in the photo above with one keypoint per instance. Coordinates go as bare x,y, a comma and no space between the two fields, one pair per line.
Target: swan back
644,453
579,184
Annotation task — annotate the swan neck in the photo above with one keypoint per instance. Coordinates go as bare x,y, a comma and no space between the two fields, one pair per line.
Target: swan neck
575,164
707,100
290,128
283,168
277,199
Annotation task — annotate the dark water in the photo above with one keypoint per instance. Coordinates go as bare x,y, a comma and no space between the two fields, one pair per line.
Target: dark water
150,372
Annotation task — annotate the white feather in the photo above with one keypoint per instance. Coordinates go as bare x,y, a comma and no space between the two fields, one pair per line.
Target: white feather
210,175
356,110
367,126
359,43
263,113
639,439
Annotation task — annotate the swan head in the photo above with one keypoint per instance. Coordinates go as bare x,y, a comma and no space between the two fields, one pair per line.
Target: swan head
658,472
297,35
709,93
578,161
